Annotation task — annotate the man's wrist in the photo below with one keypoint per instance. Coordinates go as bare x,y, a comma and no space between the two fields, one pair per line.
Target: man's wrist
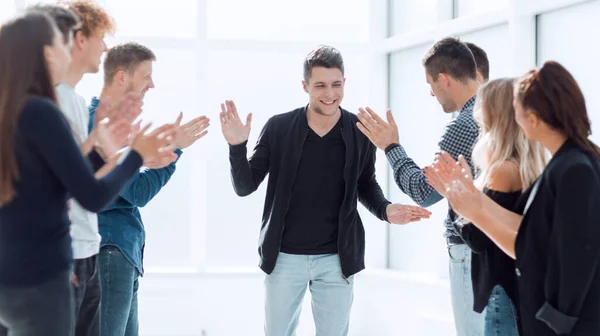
390,147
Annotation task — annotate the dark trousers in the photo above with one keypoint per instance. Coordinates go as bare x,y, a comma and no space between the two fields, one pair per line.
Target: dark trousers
44,309
87,297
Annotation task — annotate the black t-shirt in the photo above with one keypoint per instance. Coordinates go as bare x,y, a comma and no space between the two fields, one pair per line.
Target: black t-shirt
311,223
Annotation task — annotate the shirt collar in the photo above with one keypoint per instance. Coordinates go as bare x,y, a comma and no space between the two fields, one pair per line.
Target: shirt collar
469,105
95,102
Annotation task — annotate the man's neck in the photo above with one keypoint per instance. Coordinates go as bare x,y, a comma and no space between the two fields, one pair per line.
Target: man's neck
466,92
322,123
112,93
75,72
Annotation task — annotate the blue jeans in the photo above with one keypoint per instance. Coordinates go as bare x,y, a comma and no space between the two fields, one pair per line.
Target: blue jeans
43,309
119,284
500,315
332,295
466,321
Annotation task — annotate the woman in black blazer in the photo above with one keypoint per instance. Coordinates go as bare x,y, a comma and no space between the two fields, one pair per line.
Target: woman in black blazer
555,236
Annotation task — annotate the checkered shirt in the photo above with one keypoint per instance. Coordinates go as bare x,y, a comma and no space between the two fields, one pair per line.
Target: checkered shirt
459,137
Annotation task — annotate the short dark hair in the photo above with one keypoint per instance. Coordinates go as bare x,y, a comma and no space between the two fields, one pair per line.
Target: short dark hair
450,56
66,21
481,59
323,56
127,57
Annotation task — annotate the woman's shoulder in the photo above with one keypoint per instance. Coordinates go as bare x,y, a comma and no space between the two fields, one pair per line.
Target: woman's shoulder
505,177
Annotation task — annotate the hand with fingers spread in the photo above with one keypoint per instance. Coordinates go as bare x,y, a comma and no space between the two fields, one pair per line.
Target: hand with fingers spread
188,133
155,145
404,214
381,133
234,131
454,180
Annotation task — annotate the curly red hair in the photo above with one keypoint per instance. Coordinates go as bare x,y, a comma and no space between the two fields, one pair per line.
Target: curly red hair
94,19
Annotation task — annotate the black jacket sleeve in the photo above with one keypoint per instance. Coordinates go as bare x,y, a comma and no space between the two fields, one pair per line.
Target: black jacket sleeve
574,247
247,175
95,160
369,191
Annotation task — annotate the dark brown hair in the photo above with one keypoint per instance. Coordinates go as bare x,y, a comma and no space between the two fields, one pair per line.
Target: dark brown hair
127,57
481,60
552,94
450,56
24,73
66,21
323,56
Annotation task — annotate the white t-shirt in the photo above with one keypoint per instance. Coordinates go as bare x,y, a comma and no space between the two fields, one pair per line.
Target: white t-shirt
84,224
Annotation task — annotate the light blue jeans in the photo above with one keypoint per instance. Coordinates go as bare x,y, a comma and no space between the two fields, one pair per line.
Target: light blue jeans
500,315
285,287
466,320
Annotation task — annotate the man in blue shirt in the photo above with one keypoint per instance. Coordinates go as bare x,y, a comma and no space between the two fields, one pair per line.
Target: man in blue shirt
128,69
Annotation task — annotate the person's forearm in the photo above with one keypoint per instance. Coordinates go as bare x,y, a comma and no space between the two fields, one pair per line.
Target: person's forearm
87,146
110,165
499,224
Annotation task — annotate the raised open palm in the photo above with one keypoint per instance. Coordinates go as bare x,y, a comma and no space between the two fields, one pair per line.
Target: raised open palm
234,131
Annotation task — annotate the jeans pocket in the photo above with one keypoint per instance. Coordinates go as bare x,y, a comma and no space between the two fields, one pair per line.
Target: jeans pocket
457,253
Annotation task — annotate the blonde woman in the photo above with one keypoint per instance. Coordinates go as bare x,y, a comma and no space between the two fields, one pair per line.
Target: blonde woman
508,163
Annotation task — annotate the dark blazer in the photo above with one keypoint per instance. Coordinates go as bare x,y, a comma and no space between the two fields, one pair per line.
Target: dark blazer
558,248
278,153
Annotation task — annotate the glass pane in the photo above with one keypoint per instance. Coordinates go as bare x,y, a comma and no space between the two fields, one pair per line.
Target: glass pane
410,15
33,2
297,20
494,42
564,36
417,113
169,216
174,18
7,9
471,7
264,83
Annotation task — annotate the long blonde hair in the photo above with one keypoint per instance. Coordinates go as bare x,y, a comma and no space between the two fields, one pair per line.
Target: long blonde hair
501,139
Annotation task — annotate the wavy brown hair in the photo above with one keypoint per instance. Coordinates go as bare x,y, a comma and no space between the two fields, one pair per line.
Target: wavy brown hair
24,73
552,94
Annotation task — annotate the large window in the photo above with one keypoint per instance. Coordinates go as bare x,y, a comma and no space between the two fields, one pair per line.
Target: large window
474,7
418,247
494,41
296,20
7,9
407,16
564,36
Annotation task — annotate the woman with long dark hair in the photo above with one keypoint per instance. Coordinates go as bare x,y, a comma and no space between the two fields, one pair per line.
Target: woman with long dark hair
41,167
555,234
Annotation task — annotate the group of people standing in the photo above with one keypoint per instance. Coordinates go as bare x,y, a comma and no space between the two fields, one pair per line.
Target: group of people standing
515,164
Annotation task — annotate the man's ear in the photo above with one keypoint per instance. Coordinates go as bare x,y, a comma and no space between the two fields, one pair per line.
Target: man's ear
305,86
444,79
79,39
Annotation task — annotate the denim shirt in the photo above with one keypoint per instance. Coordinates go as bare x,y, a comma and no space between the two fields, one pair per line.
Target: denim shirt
120,223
